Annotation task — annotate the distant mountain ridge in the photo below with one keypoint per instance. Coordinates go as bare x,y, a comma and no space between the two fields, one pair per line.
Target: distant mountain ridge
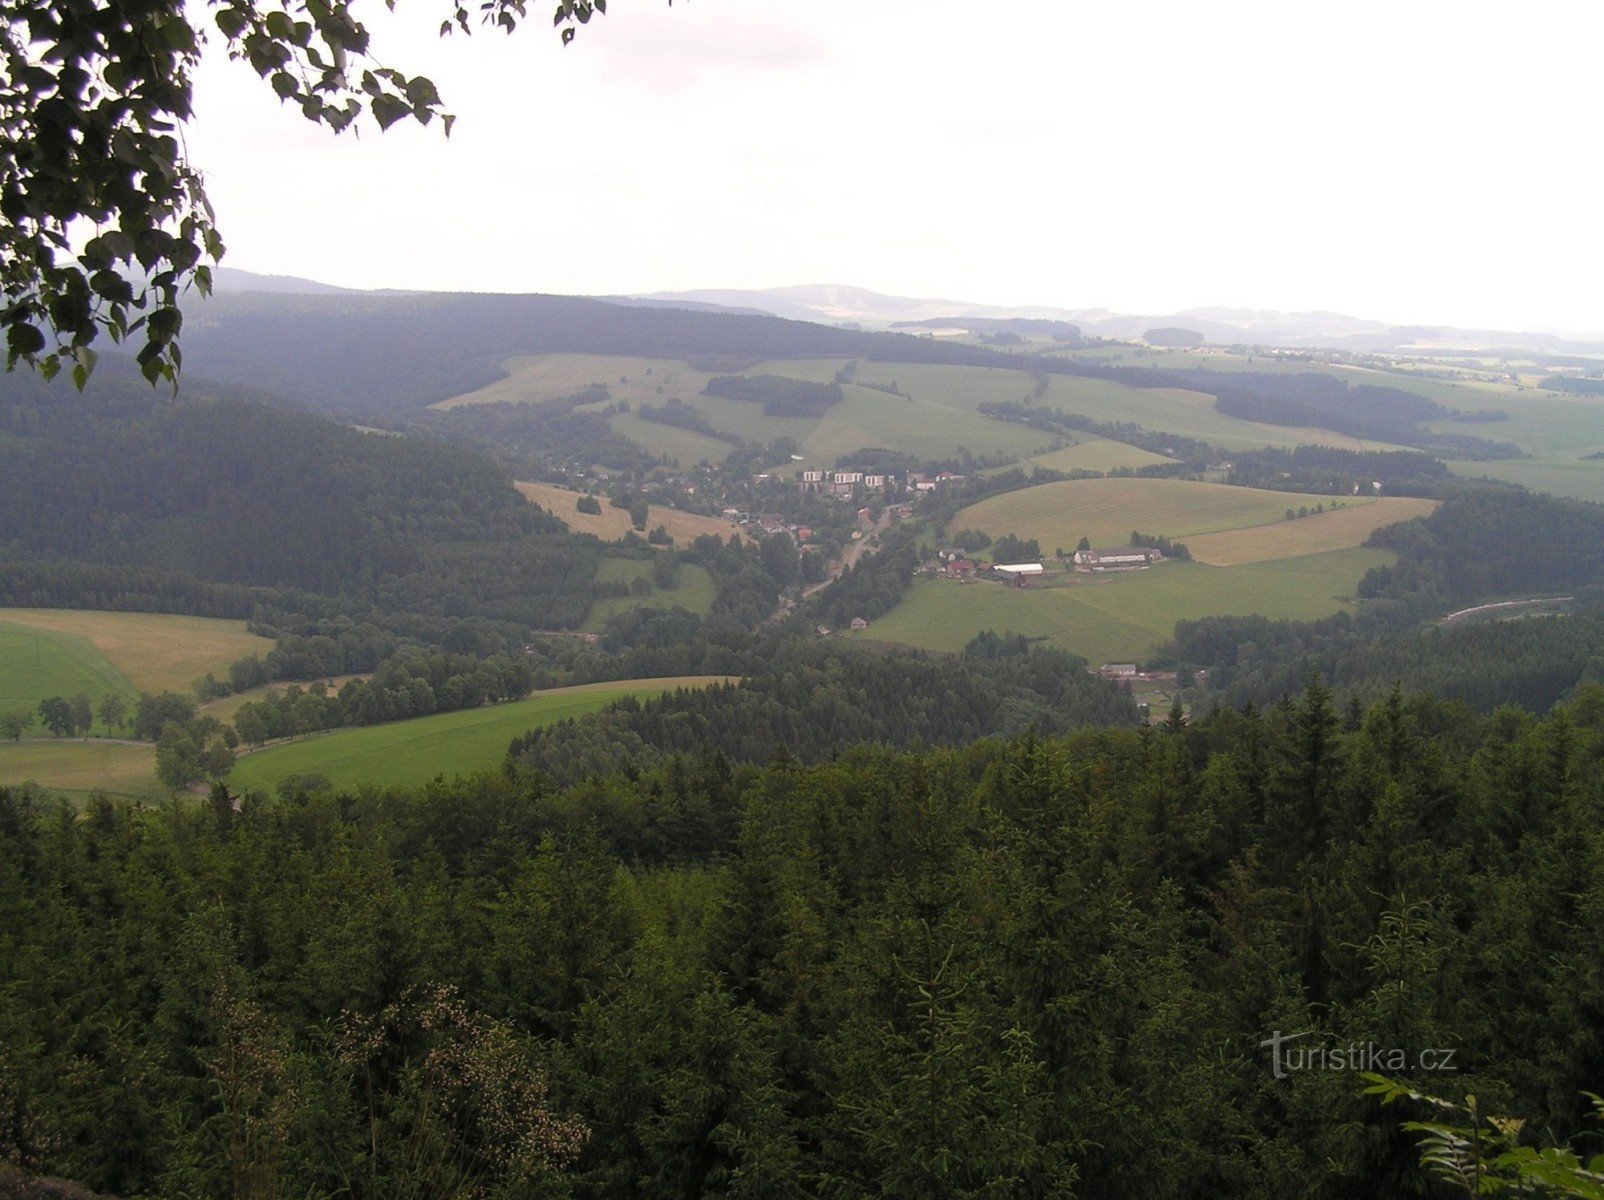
844,304
837,303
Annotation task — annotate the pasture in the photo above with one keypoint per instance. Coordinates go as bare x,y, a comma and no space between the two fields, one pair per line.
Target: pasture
79,767
1108,510
611,523
36,663
153,652
1575,478
1334,529
532,378
1184,412
1096,454
415,751
693,590
1125,617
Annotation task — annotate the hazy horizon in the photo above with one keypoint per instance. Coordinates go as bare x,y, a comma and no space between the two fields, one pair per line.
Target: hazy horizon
1419,165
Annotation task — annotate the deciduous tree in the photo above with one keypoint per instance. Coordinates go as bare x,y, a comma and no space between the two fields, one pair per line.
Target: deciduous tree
93,100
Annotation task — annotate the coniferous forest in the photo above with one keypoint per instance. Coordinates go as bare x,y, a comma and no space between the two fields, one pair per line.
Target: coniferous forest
1029,967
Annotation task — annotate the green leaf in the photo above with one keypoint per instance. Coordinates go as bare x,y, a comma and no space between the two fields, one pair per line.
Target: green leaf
24,341
388,109
165,323
231,22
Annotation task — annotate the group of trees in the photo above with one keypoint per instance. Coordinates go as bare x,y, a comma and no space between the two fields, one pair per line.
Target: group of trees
812,700
1331,471
404,686
779,396
1027,967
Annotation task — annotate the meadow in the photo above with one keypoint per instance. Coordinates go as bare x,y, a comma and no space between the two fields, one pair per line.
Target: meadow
100,652
36,663
1125,617
77,768
1575,478
1108,510
613,523
413,752
533,378
693,591
1334,529
1096,454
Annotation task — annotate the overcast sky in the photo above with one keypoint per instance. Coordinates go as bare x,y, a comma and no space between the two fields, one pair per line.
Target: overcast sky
1420,161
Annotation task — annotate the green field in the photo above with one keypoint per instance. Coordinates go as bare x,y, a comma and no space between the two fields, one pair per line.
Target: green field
36,663
412,752
1334,529
938,415
1096,454
1125,617
535,377
1572,477
1187,413
693,590
684,446
154,651
78,767
1108,510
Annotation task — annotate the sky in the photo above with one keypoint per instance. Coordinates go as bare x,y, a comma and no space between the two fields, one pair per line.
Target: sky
1417,162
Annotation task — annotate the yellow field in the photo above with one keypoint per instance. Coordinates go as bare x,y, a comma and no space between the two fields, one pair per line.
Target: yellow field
533,378
1334,530
1097,454
156,651
79,767
613,523
1108,510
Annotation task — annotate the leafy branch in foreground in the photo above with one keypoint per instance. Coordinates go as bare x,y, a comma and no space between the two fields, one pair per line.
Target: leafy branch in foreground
93,100
1482,1155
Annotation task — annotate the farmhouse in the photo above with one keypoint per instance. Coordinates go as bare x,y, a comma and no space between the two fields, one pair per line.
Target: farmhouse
859,623
1126,558
1118,670
1017,573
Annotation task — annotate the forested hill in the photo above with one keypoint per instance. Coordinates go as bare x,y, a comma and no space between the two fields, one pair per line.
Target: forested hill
815,700
367,353
240,493
1037,969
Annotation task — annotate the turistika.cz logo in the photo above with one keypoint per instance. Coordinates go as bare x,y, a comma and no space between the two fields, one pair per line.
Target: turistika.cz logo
1289,1054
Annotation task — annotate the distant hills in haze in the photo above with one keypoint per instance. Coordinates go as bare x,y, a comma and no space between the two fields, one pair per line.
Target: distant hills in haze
844,305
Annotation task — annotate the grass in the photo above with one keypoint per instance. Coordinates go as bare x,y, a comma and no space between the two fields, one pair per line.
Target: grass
532,378
1125,617
1108,510
145,652
412,752
1187,413
693,590
613,523
685,446
35,664
78,768
1096,454
1334,529
1575,478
